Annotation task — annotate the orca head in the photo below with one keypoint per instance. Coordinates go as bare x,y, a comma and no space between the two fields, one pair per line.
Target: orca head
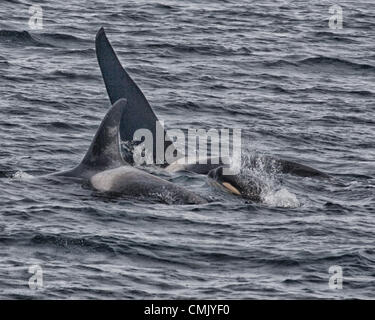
229,182
247,187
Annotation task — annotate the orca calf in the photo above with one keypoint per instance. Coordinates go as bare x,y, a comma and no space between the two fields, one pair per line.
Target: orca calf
250,189
105,169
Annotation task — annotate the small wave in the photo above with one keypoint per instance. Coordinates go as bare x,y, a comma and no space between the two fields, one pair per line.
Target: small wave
361,93
164,6
79,52
337,62
19,37
322,61
70,75
188,105
276,88
332,36
62,37
318,89
204,49
93,243
335,208
60,125
3,61
134,16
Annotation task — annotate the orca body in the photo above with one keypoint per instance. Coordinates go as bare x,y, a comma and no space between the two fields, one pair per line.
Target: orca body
105,169
127,180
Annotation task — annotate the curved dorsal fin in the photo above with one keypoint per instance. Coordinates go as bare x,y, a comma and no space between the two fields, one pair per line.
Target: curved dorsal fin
120,85
104,152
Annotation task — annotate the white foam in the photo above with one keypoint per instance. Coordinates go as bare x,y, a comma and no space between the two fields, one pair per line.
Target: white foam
20,175
281,198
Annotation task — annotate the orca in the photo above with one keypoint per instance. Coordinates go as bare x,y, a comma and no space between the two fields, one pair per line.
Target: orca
106,171
249,188
140,115
120,85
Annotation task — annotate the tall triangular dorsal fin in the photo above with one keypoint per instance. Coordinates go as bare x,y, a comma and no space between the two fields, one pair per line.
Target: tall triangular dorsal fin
119,85
104,152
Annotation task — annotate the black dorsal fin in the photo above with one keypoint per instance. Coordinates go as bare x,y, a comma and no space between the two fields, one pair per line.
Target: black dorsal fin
104,152
120,85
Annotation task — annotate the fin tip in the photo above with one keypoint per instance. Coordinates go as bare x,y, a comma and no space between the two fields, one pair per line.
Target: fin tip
100,33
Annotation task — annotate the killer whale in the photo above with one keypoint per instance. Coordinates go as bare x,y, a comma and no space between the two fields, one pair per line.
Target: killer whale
120,85
106,171
250,189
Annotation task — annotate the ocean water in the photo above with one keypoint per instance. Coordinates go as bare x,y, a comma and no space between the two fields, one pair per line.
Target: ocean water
298,89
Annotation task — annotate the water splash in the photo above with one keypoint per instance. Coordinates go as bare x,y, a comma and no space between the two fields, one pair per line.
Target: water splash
21,176
281,198
267,173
